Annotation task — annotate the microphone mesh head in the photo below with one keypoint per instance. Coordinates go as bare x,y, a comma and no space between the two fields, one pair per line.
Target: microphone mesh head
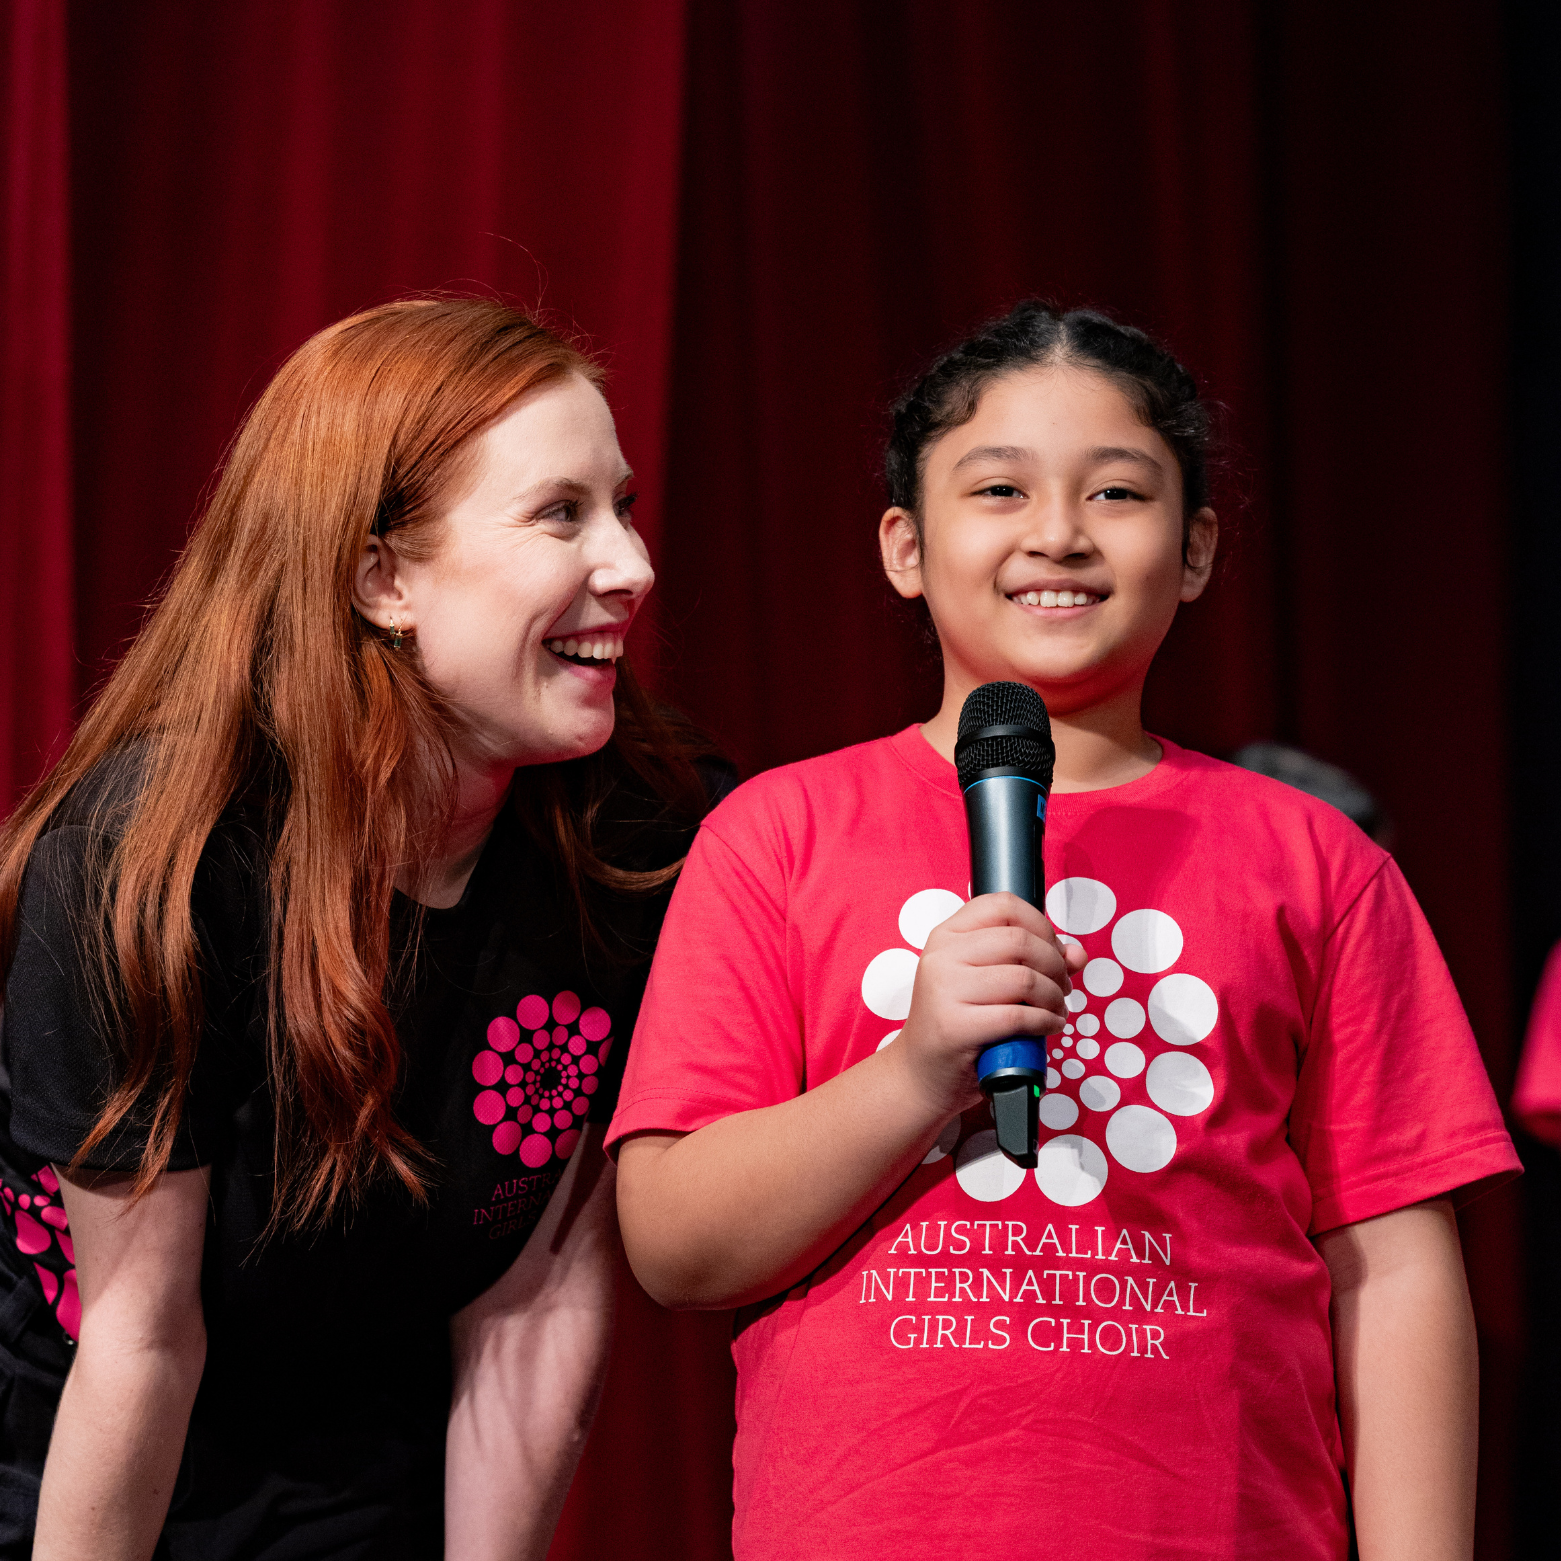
1006,704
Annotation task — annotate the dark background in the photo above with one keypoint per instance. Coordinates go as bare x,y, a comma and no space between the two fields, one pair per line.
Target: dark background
1342,216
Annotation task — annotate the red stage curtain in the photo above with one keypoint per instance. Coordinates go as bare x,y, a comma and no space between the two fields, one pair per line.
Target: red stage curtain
768,215
37,610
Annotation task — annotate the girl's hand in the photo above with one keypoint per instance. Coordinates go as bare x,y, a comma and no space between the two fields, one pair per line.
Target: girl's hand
993,970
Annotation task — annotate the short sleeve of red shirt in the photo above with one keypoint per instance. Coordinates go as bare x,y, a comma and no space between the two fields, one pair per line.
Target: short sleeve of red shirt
1392,1104
1536,1102
724,1034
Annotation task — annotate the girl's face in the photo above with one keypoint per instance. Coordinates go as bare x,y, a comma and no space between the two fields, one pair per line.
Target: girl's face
520,614
1052,540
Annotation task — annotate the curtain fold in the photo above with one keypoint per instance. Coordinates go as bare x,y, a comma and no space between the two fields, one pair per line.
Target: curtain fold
37,609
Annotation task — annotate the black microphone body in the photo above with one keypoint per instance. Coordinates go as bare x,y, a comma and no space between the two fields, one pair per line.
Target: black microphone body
1005,758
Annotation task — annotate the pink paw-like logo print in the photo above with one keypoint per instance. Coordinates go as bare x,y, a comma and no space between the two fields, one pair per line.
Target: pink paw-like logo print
1120,1007
549,1056
41,1223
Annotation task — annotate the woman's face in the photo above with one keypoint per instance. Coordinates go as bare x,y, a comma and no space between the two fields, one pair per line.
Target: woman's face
1054,486
519,616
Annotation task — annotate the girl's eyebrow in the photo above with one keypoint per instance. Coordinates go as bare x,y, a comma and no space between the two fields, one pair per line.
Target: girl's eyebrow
1103,454
993,452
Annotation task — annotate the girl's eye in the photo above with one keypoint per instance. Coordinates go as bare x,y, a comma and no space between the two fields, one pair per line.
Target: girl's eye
999,490
1118,495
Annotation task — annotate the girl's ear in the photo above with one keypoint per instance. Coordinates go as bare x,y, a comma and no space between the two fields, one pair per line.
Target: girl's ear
901,551
378,592
1203,536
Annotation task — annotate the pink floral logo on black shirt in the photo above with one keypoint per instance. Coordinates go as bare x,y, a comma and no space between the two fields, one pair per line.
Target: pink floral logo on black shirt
40,1224
539,1071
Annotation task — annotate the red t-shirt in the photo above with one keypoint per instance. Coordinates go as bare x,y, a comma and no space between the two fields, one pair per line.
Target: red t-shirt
1125,1352
1536,1101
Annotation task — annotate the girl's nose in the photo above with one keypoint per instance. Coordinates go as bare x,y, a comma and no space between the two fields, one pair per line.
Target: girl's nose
1056,530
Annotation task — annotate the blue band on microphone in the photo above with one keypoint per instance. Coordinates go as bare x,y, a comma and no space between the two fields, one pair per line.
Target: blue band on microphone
1012,1054
1040,801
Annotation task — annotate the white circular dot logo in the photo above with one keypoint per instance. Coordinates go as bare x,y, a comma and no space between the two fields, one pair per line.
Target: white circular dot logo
1125,1017
1071,1170
1179,1083
1147,941
1080,905
887,983
924,911
1183,1009
1133,1000
1100,1093
1140,1139
1103,977
984,1171
1058,1111
1124,1059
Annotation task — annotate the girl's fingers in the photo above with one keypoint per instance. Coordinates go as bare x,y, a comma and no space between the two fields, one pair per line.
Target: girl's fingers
1006,946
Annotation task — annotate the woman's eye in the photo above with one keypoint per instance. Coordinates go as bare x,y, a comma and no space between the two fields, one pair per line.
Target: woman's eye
625,506
565,510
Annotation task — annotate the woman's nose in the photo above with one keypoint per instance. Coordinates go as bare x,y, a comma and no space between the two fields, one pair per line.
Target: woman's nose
621,564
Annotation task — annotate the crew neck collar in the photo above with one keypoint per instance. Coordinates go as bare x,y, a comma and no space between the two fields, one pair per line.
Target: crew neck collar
919,756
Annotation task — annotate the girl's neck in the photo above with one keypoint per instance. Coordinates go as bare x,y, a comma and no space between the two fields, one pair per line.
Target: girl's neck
1100,745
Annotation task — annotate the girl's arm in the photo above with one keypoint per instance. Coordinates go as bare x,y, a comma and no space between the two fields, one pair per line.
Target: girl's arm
120,1430
1408,1382
745,1207
529,1356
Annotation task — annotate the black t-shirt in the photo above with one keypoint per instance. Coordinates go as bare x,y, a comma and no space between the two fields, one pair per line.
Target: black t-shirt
319,1425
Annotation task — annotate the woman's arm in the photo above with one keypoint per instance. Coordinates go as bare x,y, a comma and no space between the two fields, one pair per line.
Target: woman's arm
529,1355
120,1431
1408,1382
745,1207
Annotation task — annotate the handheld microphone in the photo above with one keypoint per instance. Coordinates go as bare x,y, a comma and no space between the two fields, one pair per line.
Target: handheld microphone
1005,757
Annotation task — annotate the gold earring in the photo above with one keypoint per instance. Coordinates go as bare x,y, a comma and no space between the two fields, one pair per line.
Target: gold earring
395,629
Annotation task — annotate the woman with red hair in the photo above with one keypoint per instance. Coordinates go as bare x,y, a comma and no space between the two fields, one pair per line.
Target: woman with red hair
323,944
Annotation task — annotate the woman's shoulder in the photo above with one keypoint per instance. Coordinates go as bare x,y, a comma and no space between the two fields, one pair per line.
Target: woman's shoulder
79,838
102,801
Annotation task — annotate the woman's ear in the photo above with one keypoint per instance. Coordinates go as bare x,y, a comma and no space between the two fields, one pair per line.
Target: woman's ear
378,591
1203,536
901,550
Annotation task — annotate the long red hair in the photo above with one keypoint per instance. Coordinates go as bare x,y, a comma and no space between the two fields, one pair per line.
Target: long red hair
255,677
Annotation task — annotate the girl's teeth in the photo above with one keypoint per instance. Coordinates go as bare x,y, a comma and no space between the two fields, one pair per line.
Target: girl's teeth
1056,599
555,645
571,647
